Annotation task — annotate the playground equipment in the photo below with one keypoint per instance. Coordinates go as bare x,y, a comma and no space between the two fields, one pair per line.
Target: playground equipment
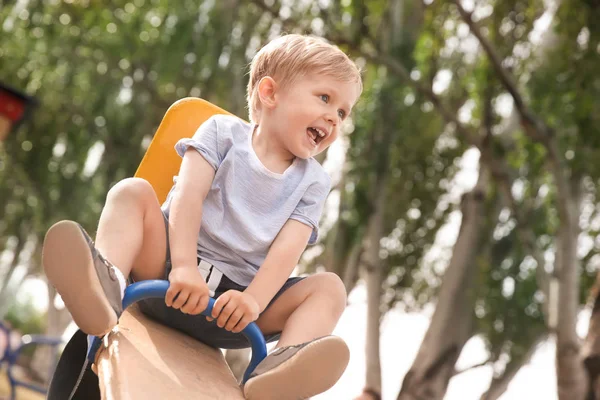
142,359
161,162
10,356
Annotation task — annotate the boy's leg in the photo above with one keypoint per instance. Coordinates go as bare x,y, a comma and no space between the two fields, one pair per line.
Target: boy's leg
308,310
131,231
131,235
307,361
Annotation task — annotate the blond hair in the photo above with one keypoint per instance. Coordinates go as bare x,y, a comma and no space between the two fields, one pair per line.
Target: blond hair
292,56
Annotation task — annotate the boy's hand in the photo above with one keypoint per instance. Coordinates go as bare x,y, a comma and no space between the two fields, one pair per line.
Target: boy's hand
234,310
187,290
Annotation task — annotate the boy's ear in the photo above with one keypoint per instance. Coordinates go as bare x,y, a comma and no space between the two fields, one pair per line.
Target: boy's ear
266,91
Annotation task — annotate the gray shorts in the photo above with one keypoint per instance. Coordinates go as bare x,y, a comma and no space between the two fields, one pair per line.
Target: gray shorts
196,325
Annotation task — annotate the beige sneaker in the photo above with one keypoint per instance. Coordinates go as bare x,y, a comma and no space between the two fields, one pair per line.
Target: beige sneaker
299,372
84,279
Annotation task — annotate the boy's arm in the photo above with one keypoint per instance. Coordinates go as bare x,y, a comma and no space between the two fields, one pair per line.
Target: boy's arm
185,216
281,260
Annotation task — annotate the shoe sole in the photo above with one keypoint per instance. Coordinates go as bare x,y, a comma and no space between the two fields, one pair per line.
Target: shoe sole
69,266
312,370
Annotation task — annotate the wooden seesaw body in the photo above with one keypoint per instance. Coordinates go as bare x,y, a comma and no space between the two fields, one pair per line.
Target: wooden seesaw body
142,359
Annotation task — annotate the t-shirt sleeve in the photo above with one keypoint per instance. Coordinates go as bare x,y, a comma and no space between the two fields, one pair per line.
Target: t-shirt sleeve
205,141
310,207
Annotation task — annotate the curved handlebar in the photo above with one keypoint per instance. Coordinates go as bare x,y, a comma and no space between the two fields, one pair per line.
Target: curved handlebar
158,289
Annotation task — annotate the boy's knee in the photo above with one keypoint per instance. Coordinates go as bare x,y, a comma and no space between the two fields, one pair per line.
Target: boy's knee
132,188
332,286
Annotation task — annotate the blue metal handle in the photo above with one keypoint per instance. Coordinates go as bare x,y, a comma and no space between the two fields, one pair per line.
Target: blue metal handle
11,355
158,289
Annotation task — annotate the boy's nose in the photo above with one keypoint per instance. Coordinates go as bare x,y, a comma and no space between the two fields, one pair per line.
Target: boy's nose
330,124
330,117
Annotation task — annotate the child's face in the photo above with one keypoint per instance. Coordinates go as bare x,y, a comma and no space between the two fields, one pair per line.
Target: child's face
308,114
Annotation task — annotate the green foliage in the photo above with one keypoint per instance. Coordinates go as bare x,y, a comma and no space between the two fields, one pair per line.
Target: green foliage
25,318
508,303
104,76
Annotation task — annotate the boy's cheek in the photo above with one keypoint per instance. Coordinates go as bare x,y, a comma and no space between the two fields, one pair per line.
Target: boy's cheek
330,140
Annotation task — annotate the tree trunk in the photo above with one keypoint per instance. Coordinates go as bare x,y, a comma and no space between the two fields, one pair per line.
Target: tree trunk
591,346
451,324
392,43
352,266
373,277
499,384
338,238
571,374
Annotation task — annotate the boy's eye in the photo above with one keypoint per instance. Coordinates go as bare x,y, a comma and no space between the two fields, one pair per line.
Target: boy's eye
342,114
325,98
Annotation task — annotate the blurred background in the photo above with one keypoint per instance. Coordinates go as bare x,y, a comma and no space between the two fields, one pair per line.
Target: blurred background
464,213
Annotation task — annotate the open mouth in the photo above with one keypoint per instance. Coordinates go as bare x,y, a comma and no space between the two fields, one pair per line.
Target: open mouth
315,135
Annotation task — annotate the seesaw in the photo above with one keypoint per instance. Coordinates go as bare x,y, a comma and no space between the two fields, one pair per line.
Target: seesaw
142,359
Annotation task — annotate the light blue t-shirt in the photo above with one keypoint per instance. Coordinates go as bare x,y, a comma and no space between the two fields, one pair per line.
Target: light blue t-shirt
247,204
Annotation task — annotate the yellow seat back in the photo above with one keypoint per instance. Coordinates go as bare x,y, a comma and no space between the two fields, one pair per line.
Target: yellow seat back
161,163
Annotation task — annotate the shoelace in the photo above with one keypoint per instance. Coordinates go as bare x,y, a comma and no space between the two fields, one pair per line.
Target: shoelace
107,263
293,346
283,349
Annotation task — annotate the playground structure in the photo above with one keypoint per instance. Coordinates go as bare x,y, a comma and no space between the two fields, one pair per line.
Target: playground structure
159,362
10,356
141,359
161,163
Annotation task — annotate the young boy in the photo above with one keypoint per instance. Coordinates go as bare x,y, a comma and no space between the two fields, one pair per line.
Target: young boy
244,206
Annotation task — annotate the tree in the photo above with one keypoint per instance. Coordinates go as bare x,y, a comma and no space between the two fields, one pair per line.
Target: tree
508,24
118,68
103,76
